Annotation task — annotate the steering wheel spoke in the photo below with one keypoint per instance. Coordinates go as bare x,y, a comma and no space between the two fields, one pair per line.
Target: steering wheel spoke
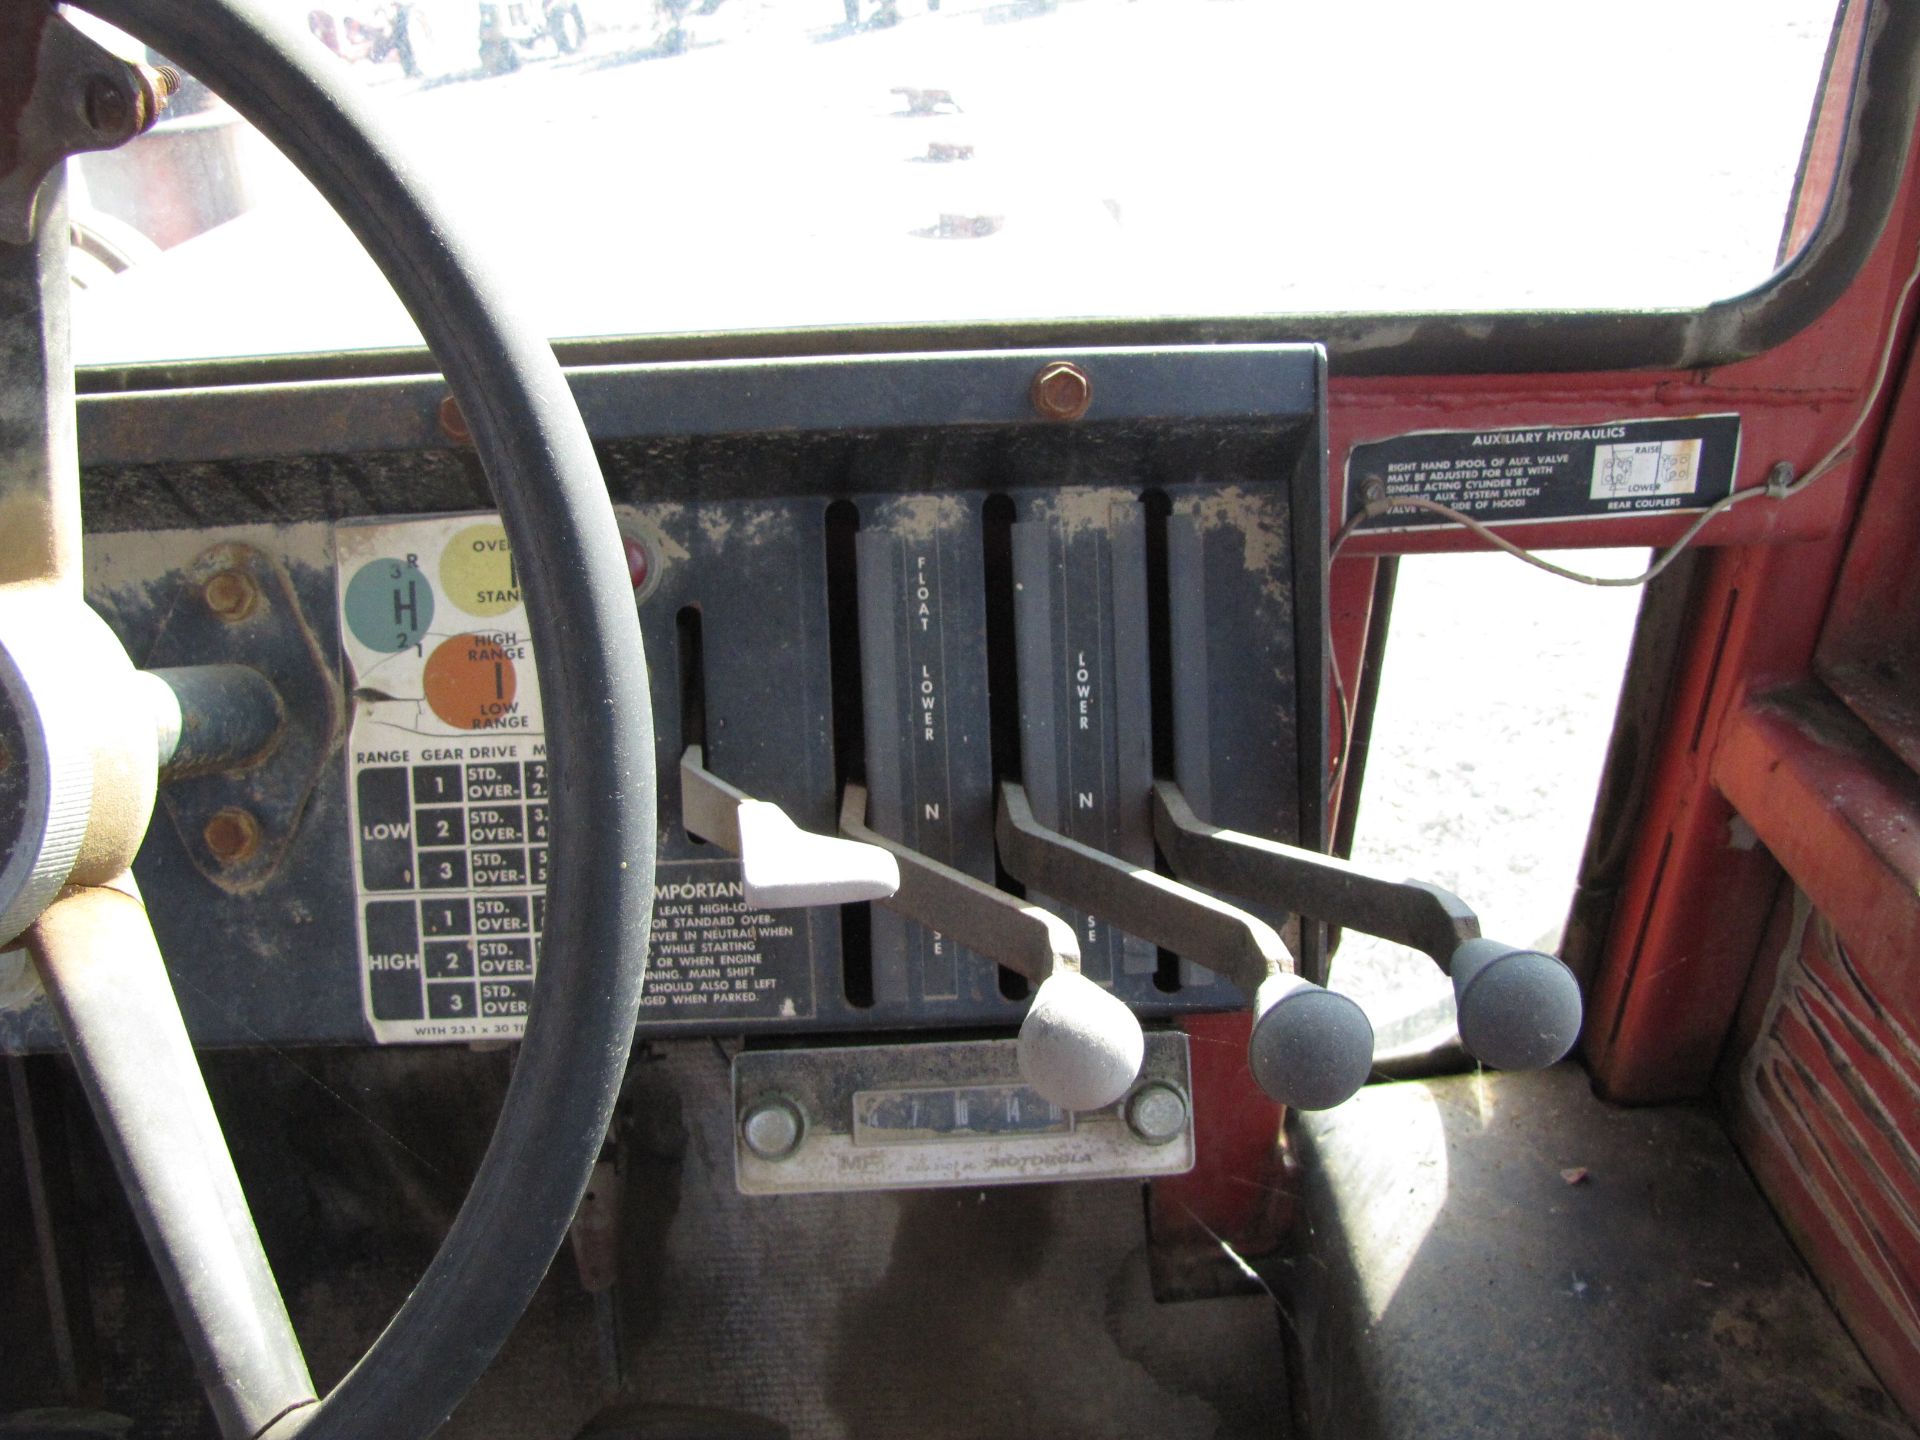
69,694
103,974
39,466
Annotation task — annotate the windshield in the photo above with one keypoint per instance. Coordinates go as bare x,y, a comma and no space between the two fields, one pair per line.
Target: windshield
698,165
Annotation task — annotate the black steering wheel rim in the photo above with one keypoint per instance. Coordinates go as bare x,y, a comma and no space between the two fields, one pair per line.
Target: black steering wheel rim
553,502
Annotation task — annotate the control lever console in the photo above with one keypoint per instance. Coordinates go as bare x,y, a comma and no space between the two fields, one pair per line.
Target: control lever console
1310,1048
1079,1046
1518,1009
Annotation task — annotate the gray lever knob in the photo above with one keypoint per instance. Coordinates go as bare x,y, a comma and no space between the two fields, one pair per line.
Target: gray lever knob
1080,1046
1519,1009
1311,1048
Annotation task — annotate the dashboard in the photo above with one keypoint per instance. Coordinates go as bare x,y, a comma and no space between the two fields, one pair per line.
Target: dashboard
919,576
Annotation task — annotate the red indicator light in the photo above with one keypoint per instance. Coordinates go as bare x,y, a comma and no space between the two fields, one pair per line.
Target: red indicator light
639,562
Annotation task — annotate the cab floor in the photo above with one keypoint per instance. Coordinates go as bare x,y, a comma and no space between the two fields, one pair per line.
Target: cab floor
1009,1311
951,1315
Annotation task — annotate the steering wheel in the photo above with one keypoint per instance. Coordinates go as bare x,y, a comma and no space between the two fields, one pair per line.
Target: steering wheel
137,1066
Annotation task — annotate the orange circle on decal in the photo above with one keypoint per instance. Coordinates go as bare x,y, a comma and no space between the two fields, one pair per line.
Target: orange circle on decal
471,683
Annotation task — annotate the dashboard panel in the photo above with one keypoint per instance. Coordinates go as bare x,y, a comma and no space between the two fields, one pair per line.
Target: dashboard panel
892,571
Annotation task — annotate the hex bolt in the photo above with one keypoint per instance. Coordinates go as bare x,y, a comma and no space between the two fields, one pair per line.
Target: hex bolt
232,835
772,1128
453,424
1157,1113
233,595
1061,391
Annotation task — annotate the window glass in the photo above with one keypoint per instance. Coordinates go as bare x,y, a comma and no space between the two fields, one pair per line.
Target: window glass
749,164
1485,758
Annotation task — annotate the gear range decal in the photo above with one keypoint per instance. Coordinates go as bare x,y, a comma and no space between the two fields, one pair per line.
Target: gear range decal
448,778
448,784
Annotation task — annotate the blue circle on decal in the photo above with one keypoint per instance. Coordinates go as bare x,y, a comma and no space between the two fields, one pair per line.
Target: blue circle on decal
389,605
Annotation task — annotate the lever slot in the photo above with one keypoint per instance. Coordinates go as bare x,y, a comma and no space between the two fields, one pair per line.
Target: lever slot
1247,746
689,654
997,515
927,766
1079,1045
1310,1048
848,705
1080,613
781,865
1158,507
1518,1009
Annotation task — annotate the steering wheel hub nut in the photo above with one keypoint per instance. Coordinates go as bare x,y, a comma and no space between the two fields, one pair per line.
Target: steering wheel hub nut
79,737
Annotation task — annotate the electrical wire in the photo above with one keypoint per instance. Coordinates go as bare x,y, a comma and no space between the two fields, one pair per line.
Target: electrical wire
1780,486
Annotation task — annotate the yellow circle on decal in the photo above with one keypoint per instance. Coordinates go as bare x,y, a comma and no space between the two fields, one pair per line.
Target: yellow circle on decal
477,572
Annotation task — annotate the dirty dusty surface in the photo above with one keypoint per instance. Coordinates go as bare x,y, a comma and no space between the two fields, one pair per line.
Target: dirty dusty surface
1488,1249
948,1314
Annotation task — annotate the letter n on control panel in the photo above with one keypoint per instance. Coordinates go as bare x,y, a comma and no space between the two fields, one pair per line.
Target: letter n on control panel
924,691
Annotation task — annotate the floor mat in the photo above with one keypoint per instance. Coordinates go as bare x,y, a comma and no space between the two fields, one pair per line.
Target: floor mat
948,1314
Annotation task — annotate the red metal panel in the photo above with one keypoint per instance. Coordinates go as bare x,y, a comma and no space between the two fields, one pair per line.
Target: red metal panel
1693,907
1350,592
1821,162
1235,1200
1870,651
1842,816
1824,1088
1823,1108
1694,901
1697,890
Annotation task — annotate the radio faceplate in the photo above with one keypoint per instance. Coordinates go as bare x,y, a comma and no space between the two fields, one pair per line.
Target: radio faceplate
934,1114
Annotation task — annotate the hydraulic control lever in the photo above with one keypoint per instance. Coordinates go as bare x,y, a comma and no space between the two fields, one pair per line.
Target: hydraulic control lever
1518,1009
781,865
1079,1045
1310,1048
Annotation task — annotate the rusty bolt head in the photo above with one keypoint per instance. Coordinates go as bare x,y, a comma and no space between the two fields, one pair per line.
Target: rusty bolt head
109,109
453,424
1061,391
232,595
232,835
154,89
